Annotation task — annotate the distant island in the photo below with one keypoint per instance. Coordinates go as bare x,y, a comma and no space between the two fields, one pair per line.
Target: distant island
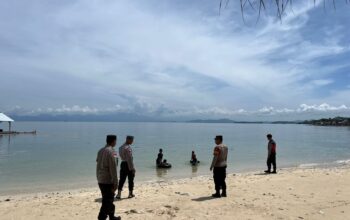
229,121
337,121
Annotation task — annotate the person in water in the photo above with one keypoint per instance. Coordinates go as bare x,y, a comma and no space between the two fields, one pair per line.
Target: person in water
194,160
271,155
107,177
219,164
127,168
160,157
160,162
165,163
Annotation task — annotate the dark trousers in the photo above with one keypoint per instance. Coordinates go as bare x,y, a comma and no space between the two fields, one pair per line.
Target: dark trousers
271,160
219,178
107,208
125,172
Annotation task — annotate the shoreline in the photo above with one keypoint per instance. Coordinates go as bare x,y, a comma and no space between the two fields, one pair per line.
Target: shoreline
75,190
62,187
293,193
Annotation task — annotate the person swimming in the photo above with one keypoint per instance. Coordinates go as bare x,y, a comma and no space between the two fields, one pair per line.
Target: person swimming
164,164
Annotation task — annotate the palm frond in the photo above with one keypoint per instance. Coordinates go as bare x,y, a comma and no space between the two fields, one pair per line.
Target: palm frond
280,5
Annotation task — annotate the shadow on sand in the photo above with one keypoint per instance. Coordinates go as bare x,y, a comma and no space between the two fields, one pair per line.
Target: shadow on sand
261,174
204,198
99,200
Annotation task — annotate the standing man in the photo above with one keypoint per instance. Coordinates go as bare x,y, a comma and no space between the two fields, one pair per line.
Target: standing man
271,154
106,172
219,165
127,168
159,157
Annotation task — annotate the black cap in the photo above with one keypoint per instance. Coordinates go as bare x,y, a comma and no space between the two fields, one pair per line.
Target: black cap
269,135
110,138
218,137
129,137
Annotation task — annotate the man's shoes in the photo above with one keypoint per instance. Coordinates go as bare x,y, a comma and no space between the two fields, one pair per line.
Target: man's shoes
267,171
223,194
115,218
274,172
131,196
216,195
119,195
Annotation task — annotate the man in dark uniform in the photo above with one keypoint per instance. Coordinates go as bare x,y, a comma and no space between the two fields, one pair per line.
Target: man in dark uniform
127,168
219,164
106,173
271,155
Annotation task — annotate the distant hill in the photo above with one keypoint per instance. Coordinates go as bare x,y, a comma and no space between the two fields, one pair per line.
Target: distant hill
337,121
241,122
212,121
120,117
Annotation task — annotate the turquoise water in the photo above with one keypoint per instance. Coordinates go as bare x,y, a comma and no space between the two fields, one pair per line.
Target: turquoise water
62,154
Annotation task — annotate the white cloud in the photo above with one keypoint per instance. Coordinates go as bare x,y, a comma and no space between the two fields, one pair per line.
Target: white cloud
285,110
321,82
70,110
266,110
323,107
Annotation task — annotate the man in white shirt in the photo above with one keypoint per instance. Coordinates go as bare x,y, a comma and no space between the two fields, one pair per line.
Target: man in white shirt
107,178
127,168
219,164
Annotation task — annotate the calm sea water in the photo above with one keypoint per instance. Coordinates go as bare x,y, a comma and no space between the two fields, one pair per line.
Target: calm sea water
62,154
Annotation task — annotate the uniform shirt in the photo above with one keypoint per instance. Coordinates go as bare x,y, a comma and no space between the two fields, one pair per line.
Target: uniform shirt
220,156
271,147
125,153
106,167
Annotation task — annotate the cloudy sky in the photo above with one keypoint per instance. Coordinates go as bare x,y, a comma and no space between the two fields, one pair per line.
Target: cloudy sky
174,59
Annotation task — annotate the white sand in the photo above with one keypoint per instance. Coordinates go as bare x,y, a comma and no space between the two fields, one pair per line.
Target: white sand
291,194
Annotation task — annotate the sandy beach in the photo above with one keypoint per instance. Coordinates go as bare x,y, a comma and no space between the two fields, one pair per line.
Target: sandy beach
295,193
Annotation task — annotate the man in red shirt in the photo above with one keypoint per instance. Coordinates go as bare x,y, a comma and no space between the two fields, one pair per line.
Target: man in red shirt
271,155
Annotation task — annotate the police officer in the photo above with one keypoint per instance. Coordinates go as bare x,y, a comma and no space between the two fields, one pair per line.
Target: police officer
127,168
106,172
271,155
219,164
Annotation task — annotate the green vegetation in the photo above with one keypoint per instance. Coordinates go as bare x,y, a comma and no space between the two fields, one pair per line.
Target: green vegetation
337,121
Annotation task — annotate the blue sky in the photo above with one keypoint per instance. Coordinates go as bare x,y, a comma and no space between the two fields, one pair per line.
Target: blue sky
173,59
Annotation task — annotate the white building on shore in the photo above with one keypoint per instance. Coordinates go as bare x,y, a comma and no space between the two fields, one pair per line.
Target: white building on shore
5,118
